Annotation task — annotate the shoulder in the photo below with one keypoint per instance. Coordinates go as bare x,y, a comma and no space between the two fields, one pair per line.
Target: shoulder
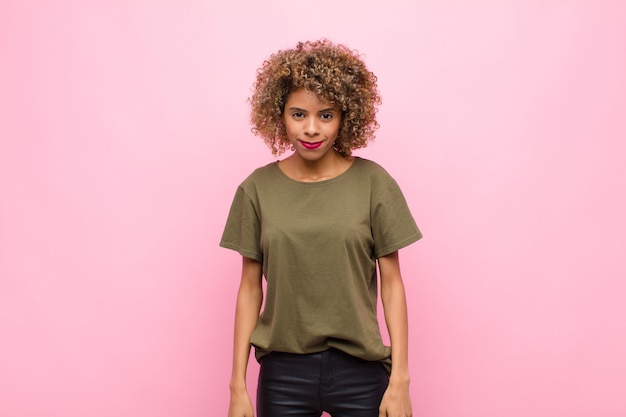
372,170
376,178
260,175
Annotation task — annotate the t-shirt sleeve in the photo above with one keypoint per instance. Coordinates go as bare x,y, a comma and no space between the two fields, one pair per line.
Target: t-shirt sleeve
393,226
243,230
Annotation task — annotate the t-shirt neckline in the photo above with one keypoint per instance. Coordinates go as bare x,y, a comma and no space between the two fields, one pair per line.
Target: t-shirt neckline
355,161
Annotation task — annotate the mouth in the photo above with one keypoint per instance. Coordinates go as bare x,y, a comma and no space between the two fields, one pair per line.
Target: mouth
311,145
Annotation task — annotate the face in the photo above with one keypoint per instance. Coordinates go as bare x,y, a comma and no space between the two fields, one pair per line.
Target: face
312,125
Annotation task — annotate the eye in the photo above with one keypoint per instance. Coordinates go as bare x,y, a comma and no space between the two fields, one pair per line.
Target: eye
326,116
297,115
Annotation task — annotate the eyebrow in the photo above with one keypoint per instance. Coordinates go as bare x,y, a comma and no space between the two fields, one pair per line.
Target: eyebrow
330,109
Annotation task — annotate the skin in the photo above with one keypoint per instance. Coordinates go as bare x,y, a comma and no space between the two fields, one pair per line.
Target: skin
249,299
311,121
396,402
308,121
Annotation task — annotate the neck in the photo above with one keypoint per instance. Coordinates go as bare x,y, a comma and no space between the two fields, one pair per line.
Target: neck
319,170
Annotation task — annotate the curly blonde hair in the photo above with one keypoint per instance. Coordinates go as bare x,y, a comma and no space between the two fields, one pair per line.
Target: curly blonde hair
335,74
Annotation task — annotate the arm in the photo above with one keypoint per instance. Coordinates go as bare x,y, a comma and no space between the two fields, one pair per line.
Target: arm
249,299
396,402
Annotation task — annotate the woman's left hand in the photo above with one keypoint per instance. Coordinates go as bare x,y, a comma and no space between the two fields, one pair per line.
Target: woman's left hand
396,402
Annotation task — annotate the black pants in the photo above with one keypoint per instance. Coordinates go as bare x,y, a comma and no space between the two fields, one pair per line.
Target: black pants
330,381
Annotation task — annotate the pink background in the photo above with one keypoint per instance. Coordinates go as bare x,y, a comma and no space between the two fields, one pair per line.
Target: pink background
124,133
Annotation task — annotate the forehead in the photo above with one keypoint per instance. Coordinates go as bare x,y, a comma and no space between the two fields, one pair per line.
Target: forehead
307,100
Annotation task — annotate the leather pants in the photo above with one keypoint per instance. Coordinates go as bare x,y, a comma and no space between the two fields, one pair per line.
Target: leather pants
330,381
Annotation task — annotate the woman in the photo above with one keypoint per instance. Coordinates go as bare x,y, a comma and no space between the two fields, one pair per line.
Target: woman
315,224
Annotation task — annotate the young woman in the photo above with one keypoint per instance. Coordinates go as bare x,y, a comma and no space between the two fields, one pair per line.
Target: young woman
316,224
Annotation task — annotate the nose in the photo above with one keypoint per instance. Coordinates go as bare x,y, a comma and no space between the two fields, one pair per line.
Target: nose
311,127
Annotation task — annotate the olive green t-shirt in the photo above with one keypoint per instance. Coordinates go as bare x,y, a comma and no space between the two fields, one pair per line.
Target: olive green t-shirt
318,242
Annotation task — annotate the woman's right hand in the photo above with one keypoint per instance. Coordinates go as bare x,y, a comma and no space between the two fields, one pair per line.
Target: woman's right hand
240,404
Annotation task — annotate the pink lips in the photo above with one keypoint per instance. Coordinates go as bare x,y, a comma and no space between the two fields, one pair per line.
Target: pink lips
311,145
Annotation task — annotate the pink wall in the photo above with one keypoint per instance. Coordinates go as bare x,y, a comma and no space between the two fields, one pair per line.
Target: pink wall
123,134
